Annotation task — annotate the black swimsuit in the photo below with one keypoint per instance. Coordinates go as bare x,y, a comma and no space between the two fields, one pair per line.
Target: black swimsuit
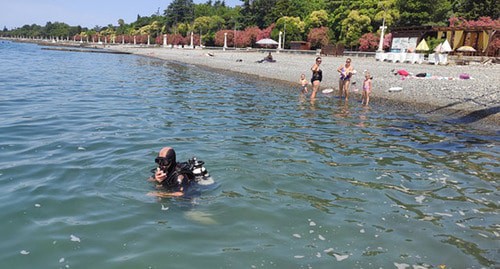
317,75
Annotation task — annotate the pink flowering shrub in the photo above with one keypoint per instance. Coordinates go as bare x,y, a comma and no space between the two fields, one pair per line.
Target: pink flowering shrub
319,37
369,42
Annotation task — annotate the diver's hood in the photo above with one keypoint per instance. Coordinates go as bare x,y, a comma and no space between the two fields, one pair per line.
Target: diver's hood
169,154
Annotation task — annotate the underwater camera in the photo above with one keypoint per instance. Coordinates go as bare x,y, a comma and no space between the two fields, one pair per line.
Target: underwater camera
201,174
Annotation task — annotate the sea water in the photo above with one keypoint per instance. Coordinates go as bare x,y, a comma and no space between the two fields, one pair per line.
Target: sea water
328,185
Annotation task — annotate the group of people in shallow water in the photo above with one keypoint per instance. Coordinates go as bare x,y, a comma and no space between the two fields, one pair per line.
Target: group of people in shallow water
346,71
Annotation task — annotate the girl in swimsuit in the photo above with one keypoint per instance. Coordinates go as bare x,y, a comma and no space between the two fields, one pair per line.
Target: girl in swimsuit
303,83
367,89
345,78
317,76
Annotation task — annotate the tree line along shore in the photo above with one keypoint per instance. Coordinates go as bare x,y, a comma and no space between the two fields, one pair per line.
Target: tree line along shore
353,24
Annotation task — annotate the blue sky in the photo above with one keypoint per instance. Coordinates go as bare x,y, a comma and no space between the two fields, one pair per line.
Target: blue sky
86,13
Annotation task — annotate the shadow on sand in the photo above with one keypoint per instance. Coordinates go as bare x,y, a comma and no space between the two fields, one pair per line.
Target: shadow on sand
477,115
473,116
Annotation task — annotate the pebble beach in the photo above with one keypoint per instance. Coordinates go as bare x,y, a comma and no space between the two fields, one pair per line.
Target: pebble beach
443,94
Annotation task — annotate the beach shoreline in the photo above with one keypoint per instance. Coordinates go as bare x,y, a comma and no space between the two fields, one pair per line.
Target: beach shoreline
443,96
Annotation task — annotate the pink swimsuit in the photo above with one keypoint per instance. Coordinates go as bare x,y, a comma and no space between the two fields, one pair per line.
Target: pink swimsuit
366,86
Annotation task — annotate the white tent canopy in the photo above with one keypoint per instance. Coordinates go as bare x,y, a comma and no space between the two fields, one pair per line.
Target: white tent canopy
445,46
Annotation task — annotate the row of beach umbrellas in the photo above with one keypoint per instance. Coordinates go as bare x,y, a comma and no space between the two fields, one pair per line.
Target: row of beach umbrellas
443,47
422,46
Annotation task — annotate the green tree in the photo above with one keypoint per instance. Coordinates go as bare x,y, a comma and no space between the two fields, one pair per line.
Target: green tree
354,26
57,29
75,30
108,32
183,28
294,30
387,10
296,8
179,11
207,27
30,30
256,12
211,8
316,19
338,11
424,12
122,27
473,9
208,24
140,22
204,10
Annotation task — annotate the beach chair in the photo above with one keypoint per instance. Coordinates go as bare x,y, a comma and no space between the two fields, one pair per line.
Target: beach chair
390,57
400,57
420,58
380,56
443,58
433,58
411,58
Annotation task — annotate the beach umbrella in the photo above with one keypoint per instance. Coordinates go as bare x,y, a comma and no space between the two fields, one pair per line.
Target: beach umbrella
466,48
438,48
266,41
445,47
422,46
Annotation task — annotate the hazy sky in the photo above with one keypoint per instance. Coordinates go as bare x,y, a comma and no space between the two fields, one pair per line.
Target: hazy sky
86,13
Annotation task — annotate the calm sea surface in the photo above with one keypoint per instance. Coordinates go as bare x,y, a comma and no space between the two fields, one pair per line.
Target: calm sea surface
297,186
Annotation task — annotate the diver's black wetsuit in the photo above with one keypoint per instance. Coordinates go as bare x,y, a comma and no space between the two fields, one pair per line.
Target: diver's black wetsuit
173,182
179,176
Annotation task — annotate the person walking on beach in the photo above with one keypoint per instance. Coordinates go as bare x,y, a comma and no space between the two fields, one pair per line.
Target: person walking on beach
303,84
317,76
346,71
367,89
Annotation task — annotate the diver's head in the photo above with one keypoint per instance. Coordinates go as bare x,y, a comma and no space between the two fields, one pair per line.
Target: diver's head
166,159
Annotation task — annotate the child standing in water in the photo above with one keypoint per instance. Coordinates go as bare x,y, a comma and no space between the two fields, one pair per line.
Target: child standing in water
303,83
367,89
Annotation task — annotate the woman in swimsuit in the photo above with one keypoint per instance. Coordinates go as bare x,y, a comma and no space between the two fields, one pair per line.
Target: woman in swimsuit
317,76
345,78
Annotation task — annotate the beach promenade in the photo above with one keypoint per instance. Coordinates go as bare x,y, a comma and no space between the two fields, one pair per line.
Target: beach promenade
474,100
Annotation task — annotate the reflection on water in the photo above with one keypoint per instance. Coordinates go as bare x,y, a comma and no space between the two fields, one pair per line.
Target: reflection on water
299,184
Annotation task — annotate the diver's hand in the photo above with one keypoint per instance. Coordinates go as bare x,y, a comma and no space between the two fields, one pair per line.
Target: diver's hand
160,175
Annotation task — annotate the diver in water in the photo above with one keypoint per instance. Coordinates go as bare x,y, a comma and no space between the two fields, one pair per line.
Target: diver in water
176,177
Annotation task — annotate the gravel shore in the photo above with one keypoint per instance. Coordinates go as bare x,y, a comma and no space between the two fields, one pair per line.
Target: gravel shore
444,94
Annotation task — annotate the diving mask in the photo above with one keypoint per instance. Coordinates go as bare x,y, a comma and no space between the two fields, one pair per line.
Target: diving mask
163,161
